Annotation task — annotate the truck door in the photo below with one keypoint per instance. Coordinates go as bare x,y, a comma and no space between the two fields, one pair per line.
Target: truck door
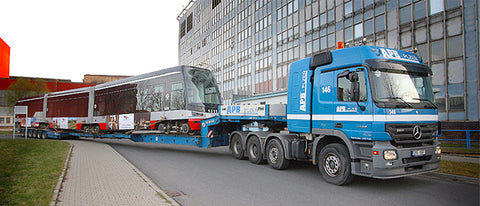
322,102
352,110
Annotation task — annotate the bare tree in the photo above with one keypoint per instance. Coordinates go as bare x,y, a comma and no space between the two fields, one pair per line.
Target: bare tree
24,87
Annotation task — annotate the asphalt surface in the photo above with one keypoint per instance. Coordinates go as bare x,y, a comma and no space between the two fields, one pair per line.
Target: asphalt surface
195,176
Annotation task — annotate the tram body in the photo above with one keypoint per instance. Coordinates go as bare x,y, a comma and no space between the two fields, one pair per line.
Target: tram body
172,100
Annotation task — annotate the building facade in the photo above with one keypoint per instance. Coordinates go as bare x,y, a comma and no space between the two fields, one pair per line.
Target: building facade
249,44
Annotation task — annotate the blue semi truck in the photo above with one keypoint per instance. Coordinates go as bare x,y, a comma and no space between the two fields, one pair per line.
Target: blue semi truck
366,111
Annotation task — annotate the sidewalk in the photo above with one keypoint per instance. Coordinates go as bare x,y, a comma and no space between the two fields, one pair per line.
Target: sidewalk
98,175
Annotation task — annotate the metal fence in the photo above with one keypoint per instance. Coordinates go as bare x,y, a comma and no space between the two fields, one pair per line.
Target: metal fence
467,139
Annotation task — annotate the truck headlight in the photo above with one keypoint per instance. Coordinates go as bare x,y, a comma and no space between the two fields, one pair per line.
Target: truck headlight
438,150
390,154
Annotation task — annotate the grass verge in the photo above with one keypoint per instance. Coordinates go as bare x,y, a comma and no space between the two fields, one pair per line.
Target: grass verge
466,169
29,170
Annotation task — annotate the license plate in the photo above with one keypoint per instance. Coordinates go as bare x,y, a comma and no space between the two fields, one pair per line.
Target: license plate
418,153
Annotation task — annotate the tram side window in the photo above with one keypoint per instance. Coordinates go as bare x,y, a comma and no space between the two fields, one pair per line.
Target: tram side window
177,99
149,98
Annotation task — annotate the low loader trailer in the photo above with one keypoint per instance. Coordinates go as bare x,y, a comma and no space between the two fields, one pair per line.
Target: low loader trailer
359,111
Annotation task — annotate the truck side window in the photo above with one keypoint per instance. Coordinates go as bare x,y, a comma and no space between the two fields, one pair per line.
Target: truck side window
344,87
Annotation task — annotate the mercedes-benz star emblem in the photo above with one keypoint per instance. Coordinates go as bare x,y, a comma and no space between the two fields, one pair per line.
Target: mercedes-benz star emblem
417,132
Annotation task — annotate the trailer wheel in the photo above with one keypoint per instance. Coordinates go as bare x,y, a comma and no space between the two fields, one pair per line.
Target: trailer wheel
236,147
44,135
335,164
276,155
254,151
40,134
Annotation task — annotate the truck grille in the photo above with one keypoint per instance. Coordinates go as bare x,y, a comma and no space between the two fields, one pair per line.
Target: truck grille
411,135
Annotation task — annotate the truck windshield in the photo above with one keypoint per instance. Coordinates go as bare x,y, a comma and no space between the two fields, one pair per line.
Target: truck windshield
201,87
403,87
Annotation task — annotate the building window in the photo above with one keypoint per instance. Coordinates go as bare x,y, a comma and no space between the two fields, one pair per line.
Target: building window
436,6
348,8
405,15
215,3
357,5
438,77
358,31
368,27
420,35
454,26
189,22
455,46
404,2
436,31
420,10
456,104
182,29
436,50
453,4
380,23
455,72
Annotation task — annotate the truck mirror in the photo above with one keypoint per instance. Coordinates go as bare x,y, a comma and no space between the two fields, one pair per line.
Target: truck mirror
355,88
352,76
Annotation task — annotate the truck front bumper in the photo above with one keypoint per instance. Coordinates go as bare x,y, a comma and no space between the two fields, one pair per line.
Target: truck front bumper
408,161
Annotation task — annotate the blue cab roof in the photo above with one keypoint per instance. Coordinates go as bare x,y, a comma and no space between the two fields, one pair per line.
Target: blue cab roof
358,55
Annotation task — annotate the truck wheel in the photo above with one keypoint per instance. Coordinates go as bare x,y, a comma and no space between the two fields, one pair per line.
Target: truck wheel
254,151
44,135
335,164
276,155
236,147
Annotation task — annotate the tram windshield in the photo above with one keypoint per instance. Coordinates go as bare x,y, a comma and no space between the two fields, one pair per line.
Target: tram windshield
201,87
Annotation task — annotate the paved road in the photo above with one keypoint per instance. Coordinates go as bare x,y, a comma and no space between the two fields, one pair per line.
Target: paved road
212,177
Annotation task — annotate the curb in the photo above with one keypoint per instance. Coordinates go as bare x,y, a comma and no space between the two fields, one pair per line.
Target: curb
56,192
469,180
147,180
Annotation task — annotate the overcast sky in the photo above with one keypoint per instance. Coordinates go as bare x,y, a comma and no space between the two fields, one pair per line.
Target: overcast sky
66,39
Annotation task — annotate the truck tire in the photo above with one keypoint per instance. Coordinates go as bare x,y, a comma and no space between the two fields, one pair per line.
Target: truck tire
335,164
254,150
236,147
276,155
